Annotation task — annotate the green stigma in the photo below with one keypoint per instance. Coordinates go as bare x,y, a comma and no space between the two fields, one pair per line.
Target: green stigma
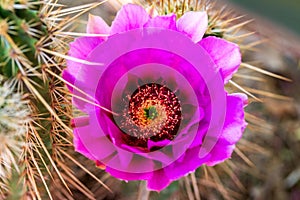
150,113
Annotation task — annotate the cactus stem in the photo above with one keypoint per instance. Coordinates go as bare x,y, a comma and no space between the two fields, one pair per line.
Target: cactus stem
39,139
3,27
40,173
12,43
7,4
34,55
16,60
14,116
28,28
44,102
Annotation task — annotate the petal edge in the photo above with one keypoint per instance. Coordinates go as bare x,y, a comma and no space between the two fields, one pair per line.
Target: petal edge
97,25
193,24
130,17
226,55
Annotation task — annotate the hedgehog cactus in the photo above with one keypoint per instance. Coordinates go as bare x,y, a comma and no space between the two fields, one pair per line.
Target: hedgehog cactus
31,51
34,37
21,29
13,119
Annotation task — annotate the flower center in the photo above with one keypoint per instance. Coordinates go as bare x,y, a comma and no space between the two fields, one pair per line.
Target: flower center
150,113
154,113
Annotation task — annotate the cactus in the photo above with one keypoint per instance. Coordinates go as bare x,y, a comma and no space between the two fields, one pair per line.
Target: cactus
34,37
32,53
14,114
21,28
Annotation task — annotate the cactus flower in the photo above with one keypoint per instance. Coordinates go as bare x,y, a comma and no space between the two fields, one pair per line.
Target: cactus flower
156,104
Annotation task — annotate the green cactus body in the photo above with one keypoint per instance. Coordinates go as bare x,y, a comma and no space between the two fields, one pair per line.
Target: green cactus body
13,117
19,46
32,53
22,29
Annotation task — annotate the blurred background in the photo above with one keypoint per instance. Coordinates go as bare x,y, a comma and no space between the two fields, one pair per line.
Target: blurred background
278,23
285,13
272,170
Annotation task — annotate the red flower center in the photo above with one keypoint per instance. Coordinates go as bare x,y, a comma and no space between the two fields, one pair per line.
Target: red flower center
154,113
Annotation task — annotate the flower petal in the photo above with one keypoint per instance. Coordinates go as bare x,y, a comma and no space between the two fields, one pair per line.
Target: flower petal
83,46
80,49
97,25
193,24
187,163
100,138
226,55
129,17
152,144
128,176
80,75
158,181
234,122
233,129
78,145
166,21
88,139
219,154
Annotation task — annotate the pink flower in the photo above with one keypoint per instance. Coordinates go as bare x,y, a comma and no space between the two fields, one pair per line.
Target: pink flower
163,110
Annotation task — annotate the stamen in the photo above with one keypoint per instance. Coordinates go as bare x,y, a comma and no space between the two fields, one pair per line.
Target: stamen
154,113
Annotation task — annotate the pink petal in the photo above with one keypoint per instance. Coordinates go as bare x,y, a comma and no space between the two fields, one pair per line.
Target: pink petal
234,127
88,139
97,25
219,154
93,144
123,159
187,163
129,17
78,145
80,148
128,176
158,181
166,21
235,121
193,24
226,55
159,144
78,74
81,48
